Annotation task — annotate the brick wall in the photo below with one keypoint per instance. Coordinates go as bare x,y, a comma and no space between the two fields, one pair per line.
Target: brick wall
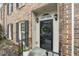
65,28
25,13
76,29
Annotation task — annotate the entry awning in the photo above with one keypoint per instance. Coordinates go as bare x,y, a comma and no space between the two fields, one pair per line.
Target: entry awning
46,8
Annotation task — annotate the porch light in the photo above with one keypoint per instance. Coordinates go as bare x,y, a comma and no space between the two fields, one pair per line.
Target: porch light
55,17
37,20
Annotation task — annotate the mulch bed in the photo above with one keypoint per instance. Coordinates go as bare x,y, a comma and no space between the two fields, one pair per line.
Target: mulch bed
8,48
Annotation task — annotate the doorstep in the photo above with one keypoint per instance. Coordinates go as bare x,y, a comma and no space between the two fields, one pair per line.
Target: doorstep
38,52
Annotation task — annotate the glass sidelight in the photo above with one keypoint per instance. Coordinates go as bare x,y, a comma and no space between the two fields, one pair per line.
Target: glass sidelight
46,34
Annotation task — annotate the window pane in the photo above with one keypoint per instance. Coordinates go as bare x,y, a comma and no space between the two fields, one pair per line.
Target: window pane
22,26
11,7
7,9
17,5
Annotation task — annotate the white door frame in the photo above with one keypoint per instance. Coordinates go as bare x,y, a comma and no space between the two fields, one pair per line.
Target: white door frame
55,31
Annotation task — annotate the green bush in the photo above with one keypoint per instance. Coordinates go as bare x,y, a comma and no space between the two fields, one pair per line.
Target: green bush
1,33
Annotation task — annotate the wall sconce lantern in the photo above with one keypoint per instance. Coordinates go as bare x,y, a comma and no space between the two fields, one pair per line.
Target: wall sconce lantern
55,17
37,20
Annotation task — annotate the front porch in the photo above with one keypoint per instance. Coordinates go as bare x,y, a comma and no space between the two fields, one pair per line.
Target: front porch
47,14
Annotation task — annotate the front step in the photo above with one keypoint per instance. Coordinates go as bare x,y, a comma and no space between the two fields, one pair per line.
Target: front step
39,52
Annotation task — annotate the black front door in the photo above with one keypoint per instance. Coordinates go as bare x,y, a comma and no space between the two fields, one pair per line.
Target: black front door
46,34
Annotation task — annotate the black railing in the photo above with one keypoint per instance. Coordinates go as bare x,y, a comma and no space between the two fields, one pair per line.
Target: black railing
53,53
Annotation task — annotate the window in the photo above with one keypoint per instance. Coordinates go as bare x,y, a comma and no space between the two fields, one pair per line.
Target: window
17,32
9,8
21,5
1,14
23,26
10,31
24,32
17,5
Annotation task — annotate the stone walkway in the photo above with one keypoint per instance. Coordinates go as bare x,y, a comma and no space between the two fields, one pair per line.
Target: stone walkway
8,48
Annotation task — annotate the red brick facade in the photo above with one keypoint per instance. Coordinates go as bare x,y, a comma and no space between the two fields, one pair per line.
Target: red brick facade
65,30
76,29
25,13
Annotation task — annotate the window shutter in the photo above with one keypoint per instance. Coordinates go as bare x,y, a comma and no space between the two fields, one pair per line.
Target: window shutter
17,32
12,31
26,33
8,31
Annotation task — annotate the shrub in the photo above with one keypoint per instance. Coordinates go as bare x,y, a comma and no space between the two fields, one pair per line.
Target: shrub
1,33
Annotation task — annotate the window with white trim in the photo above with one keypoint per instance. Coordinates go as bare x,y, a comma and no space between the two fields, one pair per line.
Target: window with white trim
9,8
